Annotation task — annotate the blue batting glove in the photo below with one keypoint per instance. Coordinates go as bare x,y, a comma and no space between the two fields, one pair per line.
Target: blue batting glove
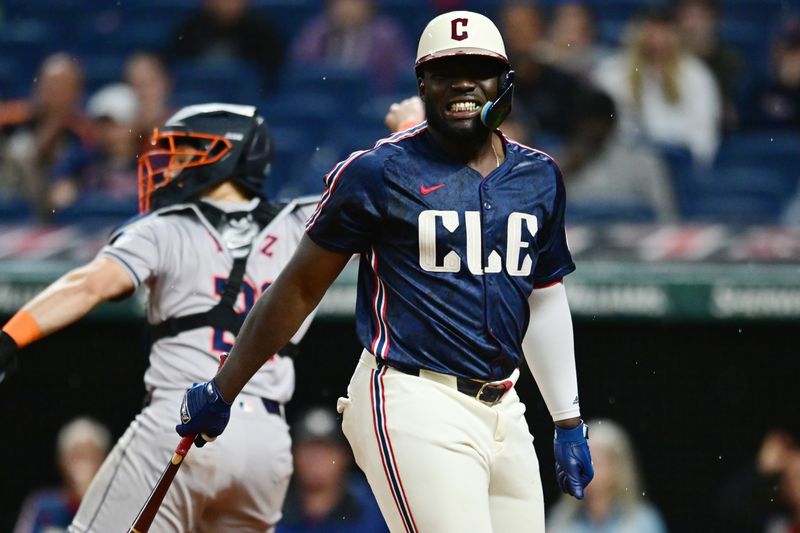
574,468
203,413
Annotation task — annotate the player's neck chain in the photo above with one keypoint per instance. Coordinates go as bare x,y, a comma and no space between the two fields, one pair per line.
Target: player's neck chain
496,157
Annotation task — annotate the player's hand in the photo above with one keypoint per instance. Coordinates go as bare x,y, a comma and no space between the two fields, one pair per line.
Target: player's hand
204,412
8,355
405,114
574,468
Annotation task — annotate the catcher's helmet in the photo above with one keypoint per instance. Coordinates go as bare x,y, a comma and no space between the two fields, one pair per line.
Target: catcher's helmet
464,33
200,146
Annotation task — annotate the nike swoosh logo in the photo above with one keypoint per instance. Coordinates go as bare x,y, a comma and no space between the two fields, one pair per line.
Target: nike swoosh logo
427,190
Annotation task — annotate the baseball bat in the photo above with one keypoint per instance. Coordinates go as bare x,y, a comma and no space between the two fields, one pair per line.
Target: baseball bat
153,503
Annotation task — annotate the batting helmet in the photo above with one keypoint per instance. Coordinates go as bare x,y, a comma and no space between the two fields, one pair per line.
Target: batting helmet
460,33
200,146
464,33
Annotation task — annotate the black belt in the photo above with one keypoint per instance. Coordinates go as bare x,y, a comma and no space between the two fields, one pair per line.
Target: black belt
488,392
272,406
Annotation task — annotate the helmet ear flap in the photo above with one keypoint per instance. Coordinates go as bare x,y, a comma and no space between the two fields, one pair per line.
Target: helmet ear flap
256,161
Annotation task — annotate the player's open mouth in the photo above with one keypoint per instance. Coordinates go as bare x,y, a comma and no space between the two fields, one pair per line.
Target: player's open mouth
463,109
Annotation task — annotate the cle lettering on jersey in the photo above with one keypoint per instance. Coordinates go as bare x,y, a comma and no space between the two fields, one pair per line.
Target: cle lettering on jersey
452,262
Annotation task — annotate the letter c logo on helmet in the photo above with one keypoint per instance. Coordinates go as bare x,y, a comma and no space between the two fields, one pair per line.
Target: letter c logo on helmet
459,35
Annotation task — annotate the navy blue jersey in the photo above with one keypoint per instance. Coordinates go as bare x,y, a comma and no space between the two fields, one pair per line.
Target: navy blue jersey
449,257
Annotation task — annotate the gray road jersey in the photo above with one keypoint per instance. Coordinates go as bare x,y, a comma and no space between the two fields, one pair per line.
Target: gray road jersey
183,262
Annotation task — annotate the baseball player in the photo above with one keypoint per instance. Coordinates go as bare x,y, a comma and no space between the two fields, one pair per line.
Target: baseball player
207,245
463,251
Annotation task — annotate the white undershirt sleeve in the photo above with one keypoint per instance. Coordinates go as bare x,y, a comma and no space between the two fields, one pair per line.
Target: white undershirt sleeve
550,351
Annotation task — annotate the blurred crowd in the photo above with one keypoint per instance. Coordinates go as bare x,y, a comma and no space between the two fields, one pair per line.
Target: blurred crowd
657,111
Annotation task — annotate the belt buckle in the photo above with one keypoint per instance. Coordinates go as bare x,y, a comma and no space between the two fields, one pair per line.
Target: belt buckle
492,392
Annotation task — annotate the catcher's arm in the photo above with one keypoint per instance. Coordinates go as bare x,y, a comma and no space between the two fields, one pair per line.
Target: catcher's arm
65,301
404,114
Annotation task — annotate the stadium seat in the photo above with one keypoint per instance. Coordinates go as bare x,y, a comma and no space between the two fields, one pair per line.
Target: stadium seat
349,86
14,209
293,147
736,210
183,97
759,12
619,9
348,139
750,39
141,34
746,180
775,152
314,111
287,17
609,212
102,69
15,79
739,195
46,9
412,15
96,209
487,7
611,32
225,81
28,40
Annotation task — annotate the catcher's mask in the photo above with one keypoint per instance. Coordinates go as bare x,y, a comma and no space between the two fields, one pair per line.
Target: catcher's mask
200,146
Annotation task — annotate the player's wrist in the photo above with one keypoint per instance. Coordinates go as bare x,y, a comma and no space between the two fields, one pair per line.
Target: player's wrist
217,396
578,433
23,329
568,423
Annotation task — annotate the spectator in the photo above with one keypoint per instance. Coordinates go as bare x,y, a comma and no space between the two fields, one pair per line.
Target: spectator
40,129
572,44
523,29
82,445
614,501
225,30
600,166
107,165
698,21
663,94
765,496
350,33
147,75
545,98
775,102
325,495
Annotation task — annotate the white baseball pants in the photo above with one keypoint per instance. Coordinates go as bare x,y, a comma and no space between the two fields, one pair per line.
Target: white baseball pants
439,461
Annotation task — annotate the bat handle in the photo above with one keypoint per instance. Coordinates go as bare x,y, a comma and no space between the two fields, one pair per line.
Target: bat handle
183,446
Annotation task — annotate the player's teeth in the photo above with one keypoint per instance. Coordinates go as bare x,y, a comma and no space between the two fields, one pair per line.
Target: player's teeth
463,106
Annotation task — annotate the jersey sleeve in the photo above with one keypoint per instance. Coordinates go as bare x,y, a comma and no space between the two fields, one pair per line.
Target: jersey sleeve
555,260
137,248
347,218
